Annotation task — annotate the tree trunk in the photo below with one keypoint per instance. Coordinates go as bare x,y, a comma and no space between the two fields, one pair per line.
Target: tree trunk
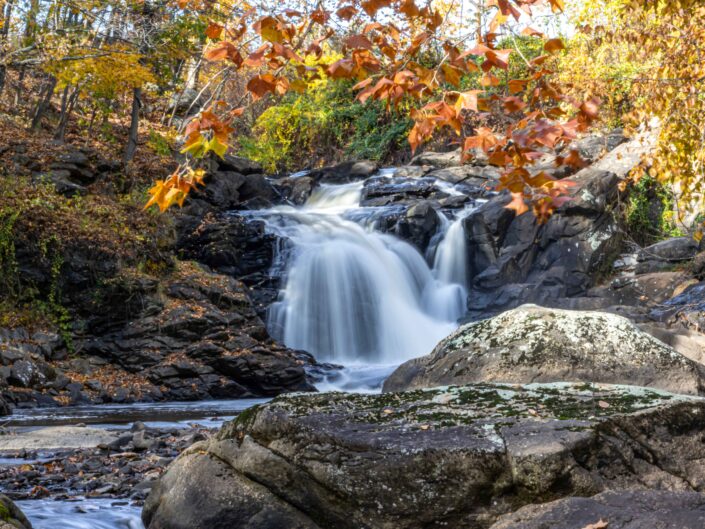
43,104
5,17
134,127
67,106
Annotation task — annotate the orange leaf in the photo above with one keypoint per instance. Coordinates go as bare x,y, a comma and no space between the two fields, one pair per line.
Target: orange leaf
214,31
259,85
518,204
346,12
554,45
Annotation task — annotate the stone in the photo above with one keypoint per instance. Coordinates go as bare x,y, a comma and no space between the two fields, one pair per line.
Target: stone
297,189
11,516
447,457
635,509
345,172
472,174
665,254
24,373
56,437
239,164
535,344
419,225
62,184
438,159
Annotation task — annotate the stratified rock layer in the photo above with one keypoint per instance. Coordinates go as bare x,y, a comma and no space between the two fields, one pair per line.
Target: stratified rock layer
449,457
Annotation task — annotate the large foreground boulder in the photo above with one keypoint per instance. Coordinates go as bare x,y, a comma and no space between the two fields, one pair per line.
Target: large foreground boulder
536,344
616,510
448,457
11,517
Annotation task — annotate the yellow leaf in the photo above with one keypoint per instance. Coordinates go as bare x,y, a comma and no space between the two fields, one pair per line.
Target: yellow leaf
217,147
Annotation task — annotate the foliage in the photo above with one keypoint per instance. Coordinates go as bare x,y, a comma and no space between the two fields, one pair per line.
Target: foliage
649,212
323,125
271,48
650,55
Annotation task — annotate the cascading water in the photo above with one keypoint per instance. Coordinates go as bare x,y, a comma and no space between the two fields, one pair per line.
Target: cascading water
356,296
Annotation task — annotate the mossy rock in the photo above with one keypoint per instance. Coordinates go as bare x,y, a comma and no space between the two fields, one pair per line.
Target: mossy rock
456,456
536,344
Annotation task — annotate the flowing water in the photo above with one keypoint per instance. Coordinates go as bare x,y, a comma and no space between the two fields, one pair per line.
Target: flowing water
82,514
355,296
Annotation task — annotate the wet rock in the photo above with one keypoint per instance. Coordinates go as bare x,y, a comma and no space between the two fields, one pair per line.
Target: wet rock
419,225
383,192
535,344
636,509
452,457
296,190
345,172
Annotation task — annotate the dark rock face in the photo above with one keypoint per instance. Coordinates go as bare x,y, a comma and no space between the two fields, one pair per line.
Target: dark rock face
620,510
452,457
418,225
231,245
206,340
535,344
516,260
345,172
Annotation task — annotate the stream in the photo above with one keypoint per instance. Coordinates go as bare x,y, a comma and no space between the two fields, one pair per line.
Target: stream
351,295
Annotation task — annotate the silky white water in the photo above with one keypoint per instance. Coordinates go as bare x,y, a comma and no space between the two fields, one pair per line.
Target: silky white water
356,296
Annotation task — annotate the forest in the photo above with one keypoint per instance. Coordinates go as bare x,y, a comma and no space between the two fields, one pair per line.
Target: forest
352,264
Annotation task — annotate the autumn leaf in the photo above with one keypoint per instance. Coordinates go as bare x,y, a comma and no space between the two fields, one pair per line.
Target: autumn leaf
259,85
518,204
214,31
554,45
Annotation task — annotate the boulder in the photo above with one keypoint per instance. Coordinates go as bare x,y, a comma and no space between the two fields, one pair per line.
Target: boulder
11,516
535,344
381,191
239,164
419,225
345,172
205,340
60,178
448,457
438,159
636,509
471,174
665,254
296,189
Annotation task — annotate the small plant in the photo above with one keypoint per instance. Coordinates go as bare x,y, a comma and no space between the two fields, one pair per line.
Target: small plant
650,213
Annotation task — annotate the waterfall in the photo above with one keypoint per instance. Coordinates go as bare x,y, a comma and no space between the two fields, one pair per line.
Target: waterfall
353,295
451,260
